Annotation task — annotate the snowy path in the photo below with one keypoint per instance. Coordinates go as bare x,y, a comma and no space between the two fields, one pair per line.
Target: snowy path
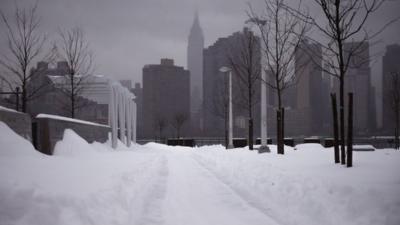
155,184
195,196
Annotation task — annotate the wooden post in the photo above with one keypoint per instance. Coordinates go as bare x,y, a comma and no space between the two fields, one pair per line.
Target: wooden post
335,128
350,132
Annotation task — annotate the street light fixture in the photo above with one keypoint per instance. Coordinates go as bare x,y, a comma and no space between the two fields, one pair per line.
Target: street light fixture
264,142
228,70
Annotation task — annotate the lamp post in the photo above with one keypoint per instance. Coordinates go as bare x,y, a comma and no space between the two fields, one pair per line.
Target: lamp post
264,143
228,70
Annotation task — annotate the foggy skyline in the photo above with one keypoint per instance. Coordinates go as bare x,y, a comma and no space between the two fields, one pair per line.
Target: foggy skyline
125,35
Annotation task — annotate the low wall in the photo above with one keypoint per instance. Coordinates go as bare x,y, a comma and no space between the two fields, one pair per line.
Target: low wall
49,129
19,122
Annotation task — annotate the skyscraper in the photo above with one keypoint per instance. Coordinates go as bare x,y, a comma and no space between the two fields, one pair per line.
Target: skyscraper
358,81
311,96
166,91
195,66
390,64
216,83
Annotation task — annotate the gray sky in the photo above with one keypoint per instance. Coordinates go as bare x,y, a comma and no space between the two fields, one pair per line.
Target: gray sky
127,34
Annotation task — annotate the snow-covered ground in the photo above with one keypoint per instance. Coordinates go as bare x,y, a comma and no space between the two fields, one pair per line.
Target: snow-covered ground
157,184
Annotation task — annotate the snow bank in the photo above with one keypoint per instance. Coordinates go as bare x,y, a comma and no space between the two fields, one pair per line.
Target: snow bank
83,184
73,145
13,145
156,184
309,147
306,187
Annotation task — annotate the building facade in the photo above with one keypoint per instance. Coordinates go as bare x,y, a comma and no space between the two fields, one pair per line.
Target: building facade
358,81
49,85
195,66
138,92
312,92
390,64
215,88
166,95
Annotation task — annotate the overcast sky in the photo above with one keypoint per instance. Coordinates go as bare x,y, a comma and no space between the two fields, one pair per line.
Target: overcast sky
127,34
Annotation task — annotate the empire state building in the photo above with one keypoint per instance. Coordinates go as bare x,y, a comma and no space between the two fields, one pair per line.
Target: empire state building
195,65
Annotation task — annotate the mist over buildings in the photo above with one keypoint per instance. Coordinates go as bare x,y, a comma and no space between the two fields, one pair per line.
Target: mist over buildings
125,35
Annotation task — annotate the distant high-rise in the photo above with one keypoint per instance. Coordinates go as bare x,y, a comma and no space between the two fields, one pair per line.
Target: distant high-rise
166,94
215,86
195,64
390,64
312,93
358,81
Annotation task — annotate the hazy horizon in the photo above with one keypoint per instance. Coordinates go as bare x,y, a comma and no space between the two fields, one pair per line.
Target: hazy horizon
126,35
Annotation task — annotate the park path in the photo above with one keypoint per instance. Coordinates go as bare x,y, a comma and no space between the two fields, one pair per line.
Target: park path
188,193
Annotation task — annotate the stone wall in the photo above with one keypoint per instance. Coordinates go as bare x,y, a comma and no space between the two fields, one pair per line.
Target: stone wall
50,129
19,122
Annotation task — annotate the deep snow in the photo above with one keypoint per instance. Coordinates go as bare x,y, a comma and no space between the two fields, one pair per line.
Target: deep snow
157,184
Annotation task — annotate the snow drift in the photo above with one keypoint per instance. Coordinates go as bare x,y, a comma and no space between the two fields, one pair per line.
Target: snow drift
157,184
13,145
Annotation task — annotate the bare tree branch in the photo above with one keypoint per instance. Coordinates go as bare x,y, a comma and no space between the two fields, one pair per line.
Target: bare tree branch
74,49
25,45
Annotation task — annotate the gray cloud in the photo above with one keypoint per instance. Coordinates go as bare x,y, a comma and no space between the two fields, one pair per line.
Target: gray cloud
127,34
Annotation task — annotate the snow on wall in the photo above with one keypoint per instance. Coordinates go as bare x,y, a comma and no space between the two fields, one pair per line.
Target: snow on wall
13,144
2,108
19,122
50,130
55,117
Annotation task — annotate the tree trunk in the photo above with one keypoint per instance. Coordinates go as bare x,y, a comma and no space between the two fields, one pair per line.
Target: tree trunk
17,98
279,123
342,130
24,97
350,132
72,78
283,130
160,134
397,131
397,141
250,105
72,107
279,131
250,140
335,128
226,131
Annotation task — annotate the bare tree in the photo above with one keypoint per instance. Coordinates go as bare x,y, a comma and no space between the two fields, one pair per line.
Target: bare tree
281,34
178,120
160,123
220,103
394,99
245,61
342,21
25,45
74,49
